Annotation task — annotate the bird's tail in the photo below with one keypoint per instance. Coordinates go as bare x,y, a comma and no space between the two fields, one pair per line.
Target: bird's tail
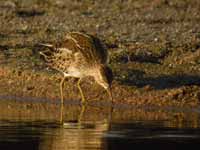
45,50
45,45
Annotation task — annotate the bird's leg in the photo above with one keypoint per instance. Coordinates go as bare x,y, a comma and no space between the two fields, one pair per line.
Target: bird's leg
79,87
81,115
61,114
61,89
62,99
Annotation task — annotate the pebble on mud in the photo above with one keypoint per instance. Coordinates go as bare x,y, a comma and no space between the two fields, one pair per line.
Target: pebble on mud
28,88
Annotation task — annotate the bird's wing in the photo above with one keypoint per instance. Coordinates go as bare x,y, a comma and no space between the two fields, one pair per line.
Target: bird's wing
90,47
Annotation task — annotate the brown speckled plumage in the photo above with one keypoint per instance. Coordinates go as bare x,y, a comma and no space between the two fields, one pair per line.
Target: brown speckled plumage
80,55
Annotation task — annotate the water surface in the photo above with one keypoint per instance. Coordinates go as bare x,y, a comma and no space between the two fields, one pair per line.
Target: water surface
35,126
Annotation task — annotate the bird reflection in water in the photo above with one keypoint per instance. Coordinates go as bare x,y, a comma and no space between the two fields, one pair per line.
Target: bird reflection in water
78,134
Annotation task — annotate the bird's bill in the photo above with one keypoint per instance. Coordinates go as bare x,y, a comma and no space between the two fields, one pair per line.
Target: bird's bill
110,93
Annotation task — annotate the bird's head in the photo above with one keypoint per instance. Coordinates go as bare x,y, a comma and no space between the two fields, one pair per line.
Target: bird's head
105,78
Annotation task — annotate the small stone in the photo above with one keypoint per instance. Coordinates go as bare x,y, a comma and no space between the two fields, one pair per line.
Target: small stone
148,88
28,88
9,4
10,82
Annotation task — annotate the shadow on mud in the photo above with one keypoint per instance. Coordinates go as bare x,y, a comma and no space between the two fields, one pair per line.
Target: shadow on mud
137,78
24,13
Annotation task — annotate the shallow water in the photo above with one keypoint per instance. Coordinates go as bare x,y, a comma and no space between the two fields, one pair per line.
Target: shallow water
36,126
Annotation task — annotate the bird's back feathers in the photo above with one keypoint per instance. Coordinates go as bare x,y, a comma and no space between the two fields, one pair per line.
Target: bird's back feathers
77,49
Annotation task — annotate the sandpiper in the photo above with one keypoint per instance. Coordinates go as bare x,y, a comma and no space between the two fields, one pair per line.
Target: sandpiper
80,55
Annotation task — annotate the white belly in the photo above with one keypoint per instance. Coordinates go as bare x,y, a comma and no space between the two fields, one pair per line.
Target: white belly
73,72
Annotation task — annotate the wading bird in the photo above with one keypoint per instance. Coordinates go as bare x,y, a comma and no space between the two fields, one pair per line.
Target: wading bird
80,55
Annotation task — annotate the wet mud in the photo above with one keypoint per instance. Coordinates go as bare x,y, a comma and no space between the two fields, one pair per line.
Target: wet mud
154,47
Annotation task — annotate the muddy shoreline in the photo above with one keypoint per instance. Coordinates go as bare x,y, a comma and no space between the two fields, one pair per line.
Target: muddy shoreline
154,47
